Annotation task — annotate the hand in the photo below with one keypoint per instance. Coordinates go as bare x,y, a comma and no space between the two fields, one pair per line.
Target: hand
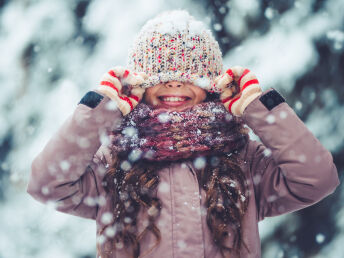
117,82
237,96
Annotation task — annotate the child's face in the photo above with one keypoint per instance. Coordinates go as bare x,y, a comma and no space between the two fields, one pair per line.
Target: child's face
174,95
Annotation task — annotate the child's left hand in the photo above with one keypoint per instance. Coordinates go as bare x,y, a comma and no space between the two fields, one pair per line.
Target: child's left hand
237,96
123,87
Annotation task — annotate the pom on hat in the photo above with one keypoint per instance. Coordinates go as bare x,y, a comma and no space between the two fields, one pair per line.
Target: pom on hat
174,46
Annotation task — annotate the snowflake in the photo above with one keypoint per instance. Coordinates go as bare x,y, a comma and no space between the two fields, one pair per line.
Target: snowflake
199,162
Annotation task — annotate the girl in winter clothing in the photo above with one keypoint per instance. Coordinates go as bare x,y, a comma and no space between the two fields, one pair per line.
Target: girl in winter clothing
159,155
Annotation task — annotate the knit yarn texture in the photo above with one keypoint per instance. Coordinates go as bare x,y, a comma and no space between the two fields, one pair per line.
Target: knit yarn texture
163,135
175,46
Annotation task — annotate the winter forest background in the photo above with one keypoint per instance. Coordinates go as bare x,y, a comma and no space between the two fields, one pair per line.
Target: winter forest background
53,52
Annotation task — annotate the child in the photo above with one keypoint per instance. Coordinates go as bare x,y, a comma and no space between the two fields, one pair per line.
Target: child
176,174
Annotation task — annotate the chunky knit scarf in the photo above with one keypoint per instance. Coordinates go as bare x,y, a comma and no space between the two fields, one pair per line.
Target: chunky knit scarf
162,135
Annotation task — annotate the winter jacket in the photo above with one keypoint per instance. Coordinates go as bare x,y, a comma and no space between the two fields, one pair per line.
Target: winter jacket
287,171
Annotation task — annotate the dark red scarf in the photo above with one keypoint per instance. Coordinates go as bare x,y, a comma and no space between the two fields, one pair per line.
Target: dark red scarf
159,134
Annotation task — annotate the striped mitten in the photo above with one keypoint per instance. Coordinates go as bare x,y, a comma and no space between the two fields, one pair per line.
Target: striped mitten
237,97
112,84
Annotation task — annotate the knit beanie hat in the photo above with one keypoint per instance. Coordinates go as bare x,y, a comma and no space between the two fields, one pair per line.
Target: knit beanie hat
174,46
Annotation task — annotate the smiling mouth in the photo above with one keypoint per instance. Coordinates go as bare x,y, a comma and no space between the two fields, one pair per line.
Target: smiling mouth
174,101
173,98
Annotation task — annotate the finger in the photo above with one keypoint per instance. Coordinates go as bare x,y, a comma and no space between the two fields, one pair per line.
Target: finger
131,78
230,102
111,86
248,79
124,103
137,93
249,89
226,95
108,91
120,71
237,72
137,79
124,75
111,80
222,81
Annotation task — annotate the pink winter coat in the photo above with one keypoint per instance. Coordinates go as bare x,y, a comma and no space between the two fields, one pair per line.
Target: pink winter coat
288,171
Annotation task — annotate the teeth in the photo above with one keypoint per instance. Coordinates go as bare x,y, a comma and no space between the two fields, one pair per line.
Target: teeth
173,99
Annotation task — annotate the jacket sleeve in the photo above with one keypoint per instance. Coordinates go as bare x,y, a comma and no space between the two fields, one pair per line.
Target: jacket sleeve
67,173
290,168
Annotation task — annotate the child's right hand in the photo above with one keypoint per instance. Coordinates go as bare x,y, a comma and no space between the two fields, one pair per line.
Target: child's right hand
116,81
236,97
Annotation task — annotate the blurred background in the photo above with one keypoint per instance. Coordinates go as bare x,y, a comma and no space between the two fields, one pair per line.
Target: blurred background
53,52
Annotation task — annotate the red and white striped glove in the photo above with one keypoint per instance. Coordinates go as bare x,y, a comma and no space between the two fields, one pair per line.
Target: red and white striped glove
237,97
112,84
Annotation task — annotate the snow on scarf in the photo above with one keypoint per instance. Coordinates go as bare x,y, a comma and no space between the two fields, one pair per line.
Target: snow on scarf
163,135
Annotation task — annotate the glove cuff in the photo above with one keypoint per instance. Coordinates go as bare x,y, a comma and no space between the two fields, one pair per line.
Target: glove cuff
248,100
238,105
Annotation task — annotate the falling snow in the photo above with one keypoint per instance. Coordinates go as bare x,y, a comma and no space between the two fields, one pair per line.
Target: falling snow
65,165
164,117
125,165
83,142
164,187
135,155
199,163
283,114
337,37
181,244
110,231
35,53
270,119
130,131
106,218
101,239
217,26
267,152
320,238
111,105
45,190
90,201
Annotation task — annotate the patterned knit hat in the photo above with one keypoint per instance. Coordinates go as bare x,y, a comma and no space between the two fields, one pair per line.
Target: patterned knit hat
174,46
